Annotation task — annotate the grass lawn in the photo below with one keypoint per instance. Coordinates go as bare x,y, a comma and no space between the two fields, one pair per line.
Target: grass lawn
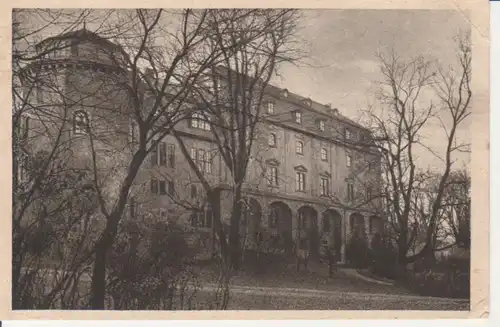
270,301
286,276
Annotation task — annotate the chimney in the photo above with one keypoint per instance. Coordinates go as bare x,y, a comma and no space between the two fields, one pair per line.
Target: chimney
328,105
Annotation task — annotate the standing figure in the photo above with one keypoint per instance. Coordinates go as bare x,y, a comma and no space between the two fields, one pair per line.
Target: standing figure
302,252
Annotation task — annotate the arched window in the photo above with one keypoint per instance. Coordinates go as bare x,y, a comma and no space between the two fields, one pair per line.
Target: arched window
273,218
80,122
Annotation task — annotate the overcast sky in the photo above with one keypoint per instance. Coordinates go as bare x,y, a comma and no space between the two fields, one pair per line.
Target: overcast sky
343,45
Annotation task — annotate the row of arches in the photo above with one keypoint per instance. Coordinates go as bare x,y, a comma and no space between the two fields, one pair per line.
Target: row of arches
309,224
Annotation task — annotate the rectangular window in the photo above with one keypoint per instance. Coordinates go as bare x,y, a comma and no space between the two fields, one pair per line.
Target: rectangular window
194,192
133,208
348,161
24,127
22,167
200,121
132,132
272,139
299,147
324,186
350,191
300,181
171,188
298,117
207,162
163,187
81,124
324,154
272,176
193,154
163,153
200,159
154,186
322,125
208,218
194,121
171,155
154,156
368,193
270,108
39,95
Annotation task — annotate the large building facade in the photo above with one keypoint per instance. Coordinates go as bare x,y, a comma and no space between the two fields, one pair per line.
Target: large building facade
311,172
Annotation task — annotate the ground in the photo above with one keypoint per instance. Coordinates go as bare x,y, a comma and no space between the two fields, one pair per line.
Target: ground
311,289
314,290
276,299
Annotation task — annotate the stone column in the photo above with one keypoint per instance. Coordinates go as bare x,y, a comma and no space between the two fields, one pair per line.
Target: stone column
367,228
343,236
295,225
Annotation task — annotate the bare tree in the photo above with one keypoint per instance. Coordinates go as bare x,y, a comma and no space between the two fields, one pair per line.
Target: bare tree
399,133
158,62
50,220
230,99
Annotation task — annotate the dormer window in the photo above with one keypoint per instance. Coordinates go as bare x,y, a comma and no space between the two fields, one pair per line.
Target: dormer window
307,102
322,125
285,93
270,108
80,122
298,117
347,134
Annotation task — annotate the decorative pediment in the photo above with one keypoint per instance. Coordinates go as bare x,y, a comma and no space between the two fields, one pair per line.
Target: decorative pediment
273,127
300,137
326,174
273,162
300,168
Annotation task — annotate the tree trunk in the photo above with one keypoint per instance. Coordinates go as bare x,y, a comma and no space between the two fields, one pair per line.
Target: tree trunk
98,287
234,234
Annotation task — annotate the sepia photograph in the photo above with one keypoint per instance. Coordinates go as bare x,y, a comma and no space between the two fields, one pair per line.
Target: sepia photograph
241,159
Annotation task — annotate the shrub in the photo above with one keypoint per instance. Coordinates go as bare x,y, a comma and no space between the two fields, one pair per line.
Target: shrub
383,257
448,278
152,268
357,252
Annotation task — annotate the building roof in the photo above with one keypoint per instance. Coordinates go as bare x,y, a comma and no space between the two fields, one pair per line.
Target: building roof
81,35
296,99
315,106
300,101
